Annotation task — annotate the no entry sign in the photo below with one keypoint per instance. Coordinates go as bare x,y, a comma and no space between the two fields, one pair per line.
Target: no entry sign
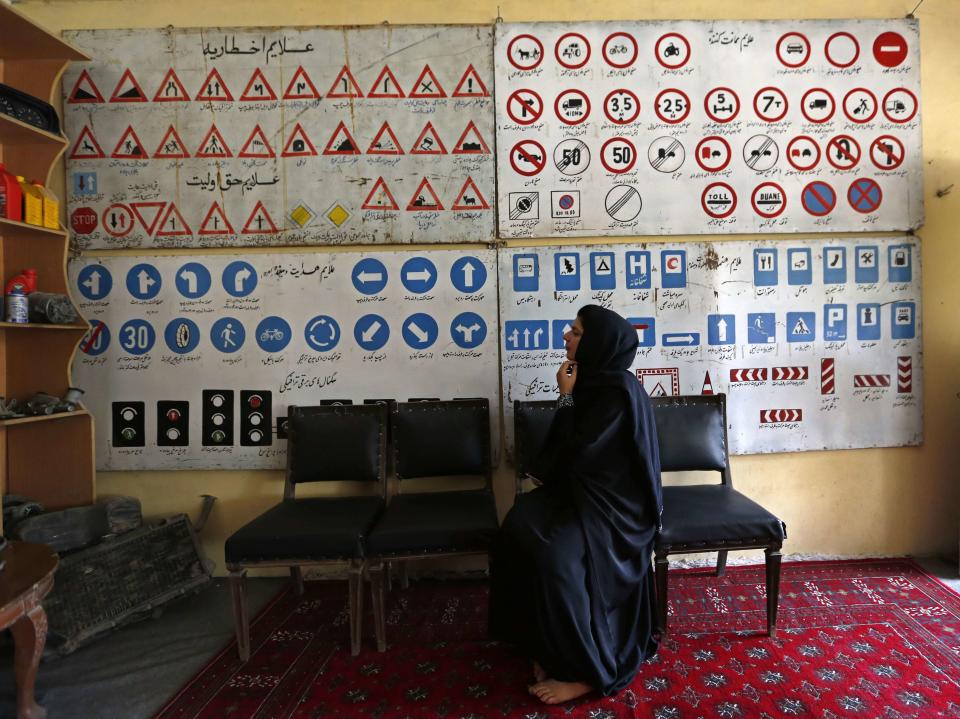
890,49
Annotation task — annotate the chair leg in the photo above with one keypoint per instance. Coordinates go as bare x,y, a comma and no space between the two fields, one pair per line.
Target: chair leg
355,606
721,562
296,574
662,566
376,572
241,620
773,588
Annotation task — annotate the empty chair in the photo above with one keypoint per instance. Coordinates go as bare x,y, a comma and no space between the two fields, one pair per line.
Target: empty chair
531,424
324,444
692,432
434,439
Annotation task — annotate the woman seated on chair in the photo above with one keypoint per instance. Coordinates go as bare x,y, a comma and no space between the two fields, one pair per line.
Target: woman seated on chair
572,583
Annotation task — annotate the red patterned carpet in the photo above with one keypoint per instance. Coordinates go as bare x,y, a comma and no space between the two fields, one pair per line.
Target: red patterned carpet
877,639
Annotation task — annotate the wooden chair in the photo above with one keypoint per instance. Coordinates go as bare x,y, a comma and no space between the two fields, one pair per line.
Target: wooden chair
324,444
531,423
692,432
434,439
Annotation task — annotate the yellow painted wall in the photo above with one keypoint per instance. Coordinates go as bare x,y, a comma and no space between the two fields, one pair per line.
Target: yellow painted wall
854,502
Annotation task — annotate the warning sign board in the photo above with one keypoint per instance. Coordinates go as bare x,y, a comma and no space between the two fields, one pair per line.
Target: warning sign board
386,85
258,89
380,197
84,90
171,89
301,87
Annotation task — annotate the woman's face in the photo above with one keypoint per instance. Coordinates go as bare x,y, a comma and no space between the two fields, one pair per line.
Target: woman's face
572,338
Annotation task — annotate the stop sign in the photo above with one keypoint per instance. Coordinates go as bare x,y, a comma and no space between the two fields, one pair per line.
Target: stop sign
83,220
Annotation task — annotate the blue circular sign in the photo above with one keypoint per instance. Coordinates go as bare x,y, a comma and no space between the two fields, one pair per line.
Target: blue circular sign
143,281
239,278
468,330
418,275
95,282
193,280
468,274
420,330
182,335
137,337
228,334
322,333
96,341
371,332
273,334
369,276
818,198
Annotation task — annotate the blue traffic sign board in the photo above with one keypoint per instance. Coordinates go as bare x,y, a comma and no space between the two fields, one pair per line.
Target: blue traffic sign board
468,274
900,262
369,276
799,266
721,329
193,280
868,321
801,326
97,339
558,329
903,320
526,273
673,269
603,271
420,330
638,270
865,195
835,323
322,333
143,281
182,335
818,198
136,337
418,275
646,328
273,334
680,339
765,268
526,335
371,332
239,278
94,282
227,334
468,330
834,265
566,271
761,328
867,264
84,184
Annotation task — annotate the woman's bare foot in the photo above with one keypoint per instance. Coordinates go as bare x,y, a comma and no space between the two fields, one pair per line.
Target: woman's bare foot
551,691
539,673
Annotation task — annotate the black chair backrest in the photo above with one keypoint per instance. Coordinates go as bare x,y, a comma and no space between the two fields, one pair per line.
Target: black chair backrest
531,423
692,431
443,438
333,443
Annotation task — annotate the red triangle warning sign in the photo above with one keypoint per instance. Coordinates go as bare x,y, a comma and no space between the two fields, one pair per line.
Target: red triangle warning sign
84,90
707,384
259,222
471,85
427,85
380,198
128,89
129,147
470,142
258,89
173,224
256,145
214,89
470,198
301,87
216,222
344,85
386,85
299,144
385,143
428,143
171,89
341,142
86,147
148,213
424,198
171,146
213,145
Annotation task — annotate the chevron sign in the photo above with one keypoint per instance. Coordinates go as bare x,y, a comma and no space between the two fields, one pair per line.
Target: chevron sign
768,416
871,380
783,373
827,376
904,375
754,374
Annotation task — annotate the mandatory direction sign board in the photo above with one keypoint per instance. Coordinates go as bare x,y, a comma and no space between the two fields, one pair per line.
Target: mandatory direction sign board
716,127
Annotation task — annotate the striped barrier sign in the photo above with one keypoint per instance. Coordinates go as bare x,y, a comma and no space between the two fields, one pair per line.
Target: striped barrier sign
904,375
871,380
770,416
790,373
753,374
828,383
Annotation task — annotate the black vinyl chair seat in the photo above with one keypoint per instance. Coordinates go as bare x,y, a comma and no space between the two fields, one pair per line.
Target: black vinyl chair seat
700,515
315,528
429,522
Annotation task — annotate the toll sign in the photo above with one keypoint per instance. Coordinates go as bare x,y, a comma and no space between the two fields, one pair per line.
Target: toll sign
719,200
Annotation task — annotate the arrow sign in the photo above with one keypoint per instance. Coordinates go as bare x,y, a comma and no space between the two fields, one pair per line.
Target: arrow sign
419,276
677,339
468,270
92,283
146,281
418,332
239,279
365,277
191,279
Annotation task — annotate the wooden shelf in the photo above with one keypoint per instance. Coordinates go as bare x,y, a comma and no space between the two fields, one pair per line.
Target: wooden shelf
39,326
23,39
12,226
15,131
43,418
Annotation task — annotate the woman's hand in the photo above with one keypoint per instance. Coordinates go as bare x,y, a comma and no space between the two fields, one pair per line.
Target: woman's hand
567,377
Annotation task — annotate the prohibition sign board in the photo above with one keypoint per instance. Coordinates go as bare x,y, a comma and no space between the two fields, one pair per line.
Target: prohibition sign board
817,105
890,49
768,200
793,49
618,155
713,153
571,156
719,200
621,106
672,106
572,107
721,104
620,50
760,153
524,106
887,152
528,158
818,198
572,50
860,105
865,195
117,220
525,52
666,154
843,152
900,105
770,104
672,51
803,153
841,49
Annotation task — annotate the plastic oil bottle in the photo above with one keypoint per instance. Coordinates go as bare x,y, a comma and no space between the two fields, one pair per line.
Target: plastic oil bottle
51,206
32,203
11,198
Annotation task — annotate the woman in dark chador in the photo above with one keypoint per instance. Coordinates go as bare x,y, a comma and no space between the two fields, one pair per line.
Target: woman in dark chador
572,583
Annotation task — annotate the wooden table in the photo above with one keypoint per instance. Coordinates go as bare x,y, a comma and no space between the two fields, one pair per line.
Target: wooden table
24,582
